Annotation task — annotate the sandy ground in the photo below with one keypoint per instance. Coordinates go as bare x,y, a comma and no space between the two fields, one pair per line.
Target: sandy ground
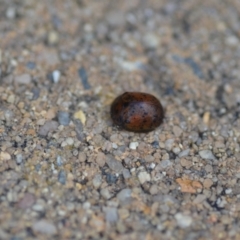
67,172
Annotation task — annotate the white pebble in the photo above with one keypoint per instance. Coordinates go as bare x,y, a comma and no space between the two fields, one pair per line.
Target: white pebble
114,146
232,41
176,150
38,208
19,158
133,145
144,177
11,13
56,76
183,220
70,141
228,191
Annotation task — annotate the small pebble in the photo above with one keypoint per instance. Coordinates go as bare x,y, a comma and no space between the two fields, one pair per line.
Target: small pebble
49,126
232,41
79,129
207,154
101,159
228,191
144,177
59,161
153,189
38,167
164,164
23,79
31,65
155,144
62,177
199,199
126,173
36,93
11,13
81,116
184,153
207,183
195,67
111,178
56,76
124,195
176,150
4,156
105,193
113,164
45,227
111,214
52,38
82,157
177,131
97,181
169,144
133,145
38,208
27,201
84,77
63,118
151,41
12,196
19,158
183,220
70,141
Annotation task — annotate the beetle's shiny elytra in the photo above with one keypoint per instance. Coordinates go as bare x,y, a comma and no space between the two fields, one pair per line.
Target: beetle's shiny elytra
137,112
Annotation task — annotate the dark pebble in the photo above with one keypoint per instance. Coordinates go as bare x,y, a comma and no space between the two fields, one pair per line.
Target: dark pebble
191,63
110,178
63,118
62,177
38,167
155,144
36,93
195,67
31,65
79,129
84,77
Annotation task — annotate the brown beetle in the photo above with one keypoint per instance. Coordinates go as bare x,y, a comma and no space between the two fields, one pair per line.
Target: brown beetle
137,111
